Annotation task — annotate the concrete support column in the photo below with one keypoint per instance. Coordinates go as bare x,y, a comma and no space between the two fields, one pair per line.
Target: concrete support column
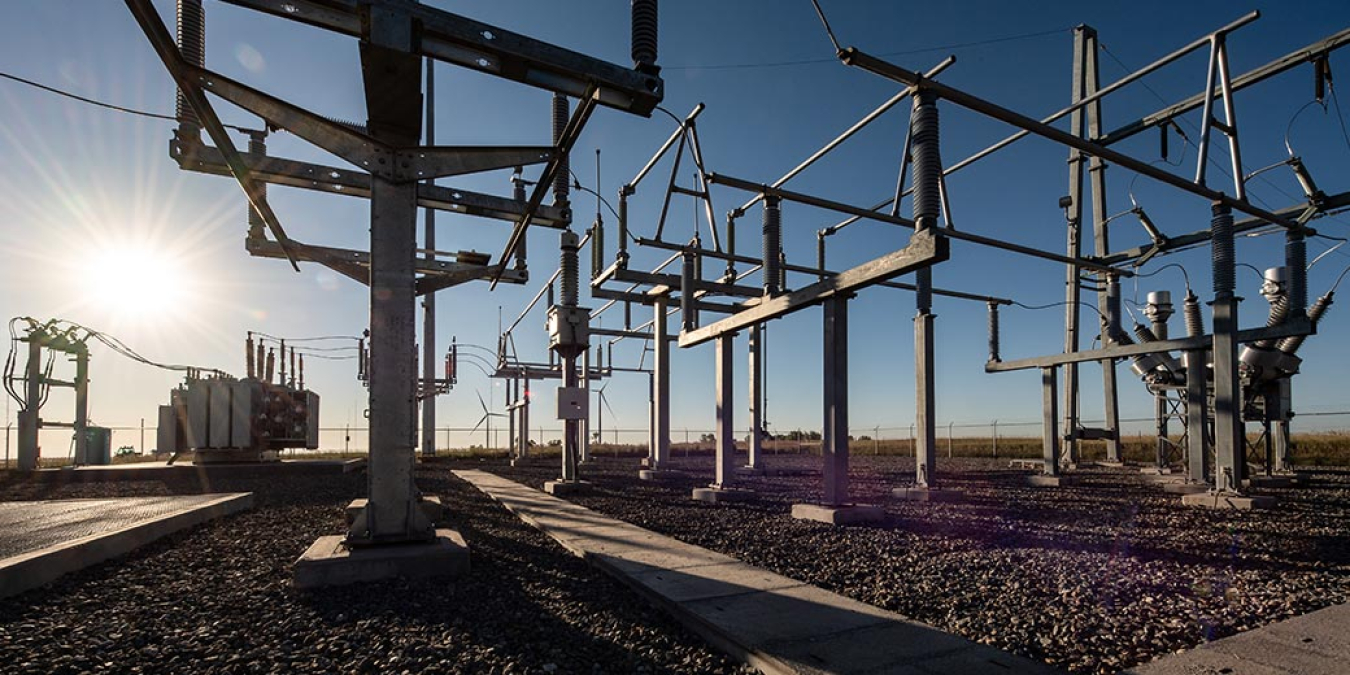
1197,417
925,411
834,436
584,424
1050,420
525,421
512,402
661,372
1229,441
756,394
82,407
725,453
29,416
1280,440
429,300
571,428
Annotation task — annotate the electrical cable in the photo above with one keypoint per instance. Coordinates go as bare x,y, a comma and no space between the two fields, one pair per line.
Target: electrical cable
1340,116
908,52
1062,303
102,104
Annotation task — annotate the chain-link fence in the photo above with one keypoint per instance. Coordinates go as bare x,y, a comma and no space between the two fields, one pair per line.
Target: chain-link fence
1319,433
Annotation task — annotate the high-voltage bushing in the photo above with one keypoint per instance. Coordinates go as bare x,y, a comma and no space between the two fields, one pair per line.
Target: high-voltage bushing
192,44
1190,312
773,245
644,39
621,255
257,146
1261,360
560,179
1291,344
1111,319
1160,368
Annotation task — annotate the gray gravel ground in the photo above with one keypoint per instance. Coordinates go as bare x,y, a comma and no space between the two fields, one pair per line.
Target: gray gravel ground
217,599
1093,578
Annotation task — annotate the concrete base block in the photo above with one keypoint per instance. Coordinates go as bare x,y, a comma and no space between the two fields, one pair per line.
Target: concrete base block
522,461
563,488
1220,500
1164,478
844,514
657,474
1034,464
1155,471
789,472
234,456
717,495
1110,465
1042,480
329,562
924,494
430,505
749,471
1185,488
645,463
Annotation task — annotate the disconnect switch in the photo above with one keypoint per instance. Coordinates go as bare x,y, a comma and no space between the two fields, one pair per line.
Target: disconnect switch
572,403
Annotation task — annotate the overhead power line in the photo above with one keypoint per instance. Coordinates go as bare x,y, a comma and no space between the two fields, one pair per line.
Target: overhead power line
104,104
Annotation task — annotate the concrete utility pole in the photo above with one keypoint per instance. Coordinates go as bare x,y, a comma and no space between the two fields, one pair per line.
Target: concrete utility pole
429,300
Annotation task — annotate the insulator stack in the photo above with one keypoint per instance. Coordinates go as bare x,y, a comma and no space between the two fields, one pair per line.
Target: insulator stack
561,178
1190,311
1296,259
1290,345
248,355
192,44
1144,334
993,333
927,162
1279,311
271,364
260,360
291,384
281,365
773,245
568,265
1221,243
302,371
644,34
621,256
361,359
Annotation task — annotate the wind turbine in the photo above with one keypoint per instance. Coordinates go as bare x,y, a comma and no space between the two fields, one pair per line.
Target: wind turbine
487,417
600,417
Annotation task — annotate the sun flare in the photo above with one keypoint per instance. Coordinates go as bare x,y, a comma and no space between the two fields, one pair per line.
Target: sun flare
136,282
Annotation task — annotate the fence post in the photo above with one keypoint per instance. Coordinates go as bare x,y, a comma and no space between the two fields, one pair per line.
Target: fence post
912,447
949,439
995,439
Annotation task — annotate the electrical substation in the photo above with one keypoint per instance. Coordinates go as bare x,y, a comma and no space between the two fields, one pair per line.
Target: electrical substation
1210,537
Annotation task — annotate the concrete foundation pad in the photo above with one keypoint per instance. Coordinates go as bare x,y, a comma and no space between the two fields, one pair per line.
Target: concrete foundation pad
1219,500
44,540
717,495
1185,488
430,505
844,514
791,471
1034,464
657,474
562,488
329,562
749,471
1042,480
1164,478
1105,464
924,494
1155,471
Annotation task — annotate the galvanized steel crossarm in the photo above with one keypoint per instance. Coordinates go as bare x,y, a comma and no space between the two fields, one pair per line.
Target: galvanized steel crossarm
485,48
925,248
1290,328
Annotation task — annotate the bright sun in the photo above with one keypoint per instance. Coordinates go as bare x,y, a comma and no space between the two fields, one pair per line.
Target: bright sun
135,282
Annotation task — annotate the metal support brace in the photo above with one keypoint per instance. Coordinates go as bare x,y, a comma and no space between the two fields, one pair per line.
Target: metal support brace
584,445
834,439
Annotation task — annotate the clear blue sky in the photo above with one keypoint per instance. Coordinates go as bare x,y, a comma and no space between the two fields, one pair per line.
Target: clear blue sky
80,181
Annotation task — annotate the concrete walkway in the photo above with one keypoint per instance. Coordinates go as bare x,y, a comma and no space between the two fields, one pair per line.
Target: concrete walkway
42,540
1317,643
776,624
